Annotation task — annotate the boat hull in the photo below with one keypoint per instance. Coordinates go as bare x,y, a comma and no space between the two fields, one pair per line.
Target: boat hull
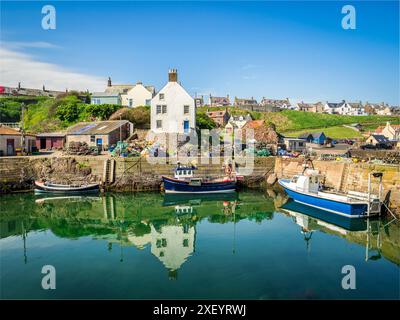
41,188
350,210
176,186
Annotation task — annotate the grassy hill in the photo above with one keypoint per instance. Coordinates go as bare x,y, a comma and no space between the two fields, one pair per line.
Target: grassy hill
290,120
293,123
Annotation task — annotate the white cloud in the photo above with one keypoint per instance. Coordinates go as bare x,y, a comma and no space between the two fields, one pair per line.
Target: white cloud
20,67
249,77
32,44
250,66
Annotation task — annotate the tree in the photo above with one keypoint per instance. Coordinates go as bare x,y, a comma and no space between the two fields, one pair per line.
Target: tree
69,112
203,121
101,111
68,109
139,116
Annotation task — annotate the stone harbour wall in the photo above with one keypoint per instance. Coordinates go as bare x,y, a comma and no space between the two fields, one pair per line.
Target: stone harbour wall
127,174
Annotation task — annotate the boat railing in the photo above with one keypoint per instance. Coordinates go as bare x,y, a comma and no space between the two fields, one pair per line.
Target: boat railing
360,195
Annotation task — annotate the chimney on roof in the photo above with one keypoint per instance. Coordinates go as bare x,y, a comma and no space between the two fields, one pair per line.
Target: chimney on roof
109,82
173,75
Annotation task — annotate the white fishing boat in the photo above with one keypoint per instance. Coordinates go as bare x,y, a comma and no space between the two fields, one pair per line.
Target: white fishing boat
308,189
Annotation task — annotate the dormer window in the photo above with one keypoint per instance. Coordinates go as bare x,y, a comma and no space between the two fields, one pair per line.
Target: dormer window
161,96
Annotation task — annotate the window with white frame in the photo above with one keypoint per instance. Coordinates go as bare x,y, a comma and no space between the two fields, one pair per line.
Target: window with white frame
164,109
130,102
161,96
158,109
159,124
185,109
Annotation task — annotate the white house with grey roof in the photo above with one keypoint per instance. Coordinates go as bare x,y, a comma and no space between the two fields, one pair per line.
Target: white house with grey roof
334,107
138,95
354,109
172,108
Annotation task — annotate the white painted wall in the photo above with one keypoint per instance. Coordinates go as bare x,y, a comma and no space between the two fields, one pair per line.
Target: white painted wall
175,98
139,94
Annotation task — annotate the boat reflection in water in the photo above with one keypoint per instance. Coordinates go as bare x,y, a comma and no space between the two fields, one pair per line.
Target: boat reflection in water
55,198
175,198
313,219
334,221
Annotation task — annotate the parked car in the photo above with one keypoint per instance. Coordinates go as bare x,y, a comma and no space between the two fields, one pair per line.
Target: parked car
368,147
384,146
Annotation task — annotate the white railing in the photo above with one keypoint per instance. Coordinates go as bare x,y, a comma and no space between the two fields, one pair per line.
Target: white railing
11,124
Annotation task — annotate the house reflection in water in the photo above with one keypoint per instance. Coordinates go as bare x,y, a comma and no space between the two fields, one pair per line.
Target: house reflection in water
171,244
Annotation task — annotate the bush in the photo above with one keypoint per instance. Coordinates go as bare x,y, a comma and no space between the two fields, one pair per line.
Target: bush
69,109
139,116
203,121
10,111
101,111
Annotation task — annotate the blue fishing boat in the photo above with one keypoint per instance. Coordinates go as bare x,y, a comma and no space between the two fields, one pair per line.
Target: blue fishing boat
307,189
185,182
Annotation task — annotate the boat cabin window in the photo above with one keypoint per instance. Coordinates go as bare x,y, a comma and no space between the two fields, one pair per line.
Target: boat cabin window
294,179
184,172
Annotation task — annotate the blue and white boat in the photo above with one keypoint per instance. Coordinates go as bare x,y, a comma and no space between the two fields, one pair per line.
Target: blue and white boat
184,182
307,189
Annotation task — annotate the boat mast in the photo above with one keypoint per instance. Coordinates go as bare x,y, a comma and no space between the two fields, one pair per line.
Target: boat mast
24,240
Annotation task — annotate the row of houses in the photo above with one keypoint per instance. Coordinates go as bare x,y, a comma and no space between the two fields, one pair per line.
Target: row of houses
30,92
141,95
100,134
342,108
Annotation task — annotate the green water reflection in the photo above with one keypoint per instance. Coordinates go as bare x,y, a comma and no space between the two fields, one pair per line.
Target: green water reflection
148,245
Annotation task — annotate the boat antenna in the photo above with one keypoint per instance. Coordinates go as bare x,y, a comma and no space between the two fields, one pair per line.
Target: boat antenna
307,161
24,239
307,237
234,232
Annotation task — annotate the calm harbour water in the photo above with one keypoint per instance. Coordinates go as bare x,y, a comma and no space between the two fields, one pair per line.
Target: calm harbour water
146,245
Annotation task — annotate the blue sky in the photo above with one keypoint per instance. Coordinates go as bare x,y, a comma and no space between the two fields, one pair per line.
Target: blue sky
274,49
